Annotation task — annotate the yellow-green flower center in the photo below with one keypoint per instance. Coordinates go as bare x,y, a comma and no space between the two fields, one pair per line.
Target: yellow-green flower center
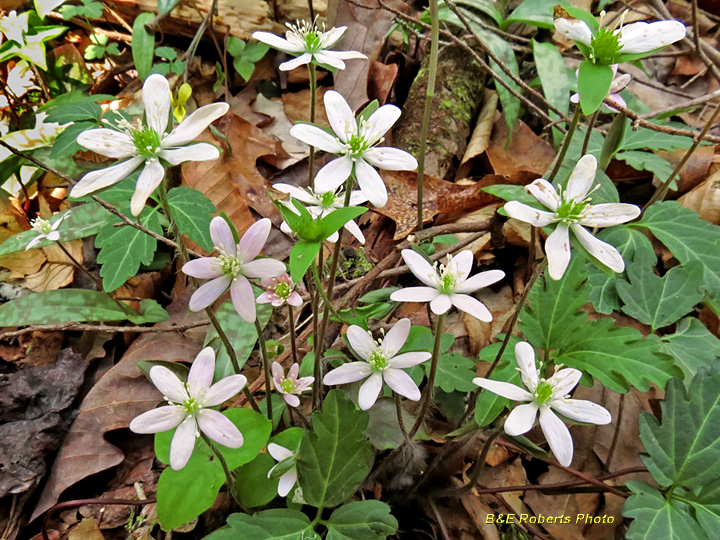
283,290
605,46
377,360
191,406
543,392
287,385
147,141
42,226
571,211
356,145
229,265
327,199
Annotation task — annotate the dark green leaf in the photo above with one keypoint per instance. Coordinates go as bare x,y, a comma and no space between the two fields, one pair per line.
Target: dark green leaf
534,12
489,405
454,372
361,520
693,347
301,257
143,45
192,212
275,524
66,143
593,85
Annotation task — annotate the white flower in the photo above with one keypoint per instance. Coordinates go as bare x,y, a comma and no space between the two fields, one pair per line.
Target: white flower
14,26
320,205
148,144
310,44
381,363
189,408
231,268
287,458
571,209
291,386
47,230
616,86
545,396
448,285
635,38
354,142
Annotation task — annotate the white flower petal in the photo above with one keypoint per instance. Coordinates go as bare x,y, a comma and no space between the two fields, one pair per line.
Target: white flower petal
263,268
421,268
602,251
581,179
314,136
574,29
480,280
391,159
461,264
158,420
291,400
279,453
224,389
557,248
348,55
286,482
253,240
347,373
557,435
361,341
353,229
369,391
243,299
107,142
620,82
564,380
35,241
471,306
208,293
380,122
168,383
150,178
333,175
53,236
222,236
415,294
525,358
183,443
193,152
609,214
102,178
642,37
545,193
201,373
219,428
581,410
202,268
301,60
157,99
407,360
440,304
396,337
195,124
294,191
332,36
276,42
504,389
401,383
521,419
528,214
340,115
329,58
357,198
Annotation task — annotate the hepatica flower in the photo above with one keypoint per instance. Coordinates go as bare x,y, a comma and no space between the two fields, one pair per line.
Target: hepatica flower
46,230
355,140
309,44
572,211
285,462
232,266
320,205
545,396
448,285
380,362
279,290
190,409
147,144
291,386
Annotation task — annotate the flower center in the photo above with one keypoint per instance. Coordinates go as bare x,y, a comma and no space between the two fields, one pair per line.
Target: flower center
147,141
230,266
448,279
191,406
42,226
309,33
605,46
283,290
377,360
544,392
356,145
327,199
288,386
571,211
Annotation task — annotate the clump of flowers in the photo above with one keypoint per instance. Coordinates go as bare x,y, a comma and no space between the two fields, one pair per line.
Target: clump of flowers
447,285
291,386
380,362
544,396
571,210
310,44
189,408
147,144
46,230
355,141
279,290
232,266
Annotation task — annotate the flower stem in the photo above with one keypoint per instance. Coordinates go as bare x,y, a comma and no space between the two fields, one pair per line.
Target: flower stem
266,369
591,125
480,463
312,73
566,144
321,291
429,94
293,337
431,377
401,421
229,478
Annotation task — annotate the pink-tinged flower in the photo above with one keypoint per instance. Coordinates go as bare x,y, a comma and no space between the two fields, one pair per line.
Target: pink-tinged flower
290,387
545,396
618,84
46,230
447,285
571,210
309,44
355,142
148,144
286,459
320,205
381,362
189,410
279,291
232,266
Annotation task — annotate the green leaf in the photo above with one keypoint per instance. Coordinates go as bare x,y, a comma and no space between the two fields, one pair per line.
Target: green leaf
383,430
594,82
454,372
72,305
242,335
640,138
143,45
66,143
361,520
244,68
503,51
254,51
485,6
684,450
253,485
335,458
124,249
707,507
192,212
75,107
554,78
275,524
647,161
335,220
693,347
489,405
84,220
655,517
688,237
301,257
235,46
534,12
508,192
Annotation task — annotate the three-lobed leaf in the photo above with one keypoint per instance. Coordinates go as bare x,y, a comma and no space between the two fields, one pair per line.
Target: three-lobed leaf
693,347
361,520
274,524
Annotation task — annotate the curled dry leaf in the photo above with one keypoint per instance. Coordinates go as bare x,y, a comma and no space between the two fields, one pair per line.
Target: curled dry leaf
480,138
705,199
525,152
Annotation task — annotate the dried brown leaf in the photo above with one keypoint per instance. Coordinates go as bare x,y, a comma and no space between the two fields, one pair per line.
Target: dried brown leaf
526,152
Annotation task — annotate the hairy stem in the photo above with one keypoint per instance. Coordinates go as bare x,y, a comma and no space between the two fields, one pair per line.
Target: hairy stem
266,369
431,377
293,337
312,73
591,125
